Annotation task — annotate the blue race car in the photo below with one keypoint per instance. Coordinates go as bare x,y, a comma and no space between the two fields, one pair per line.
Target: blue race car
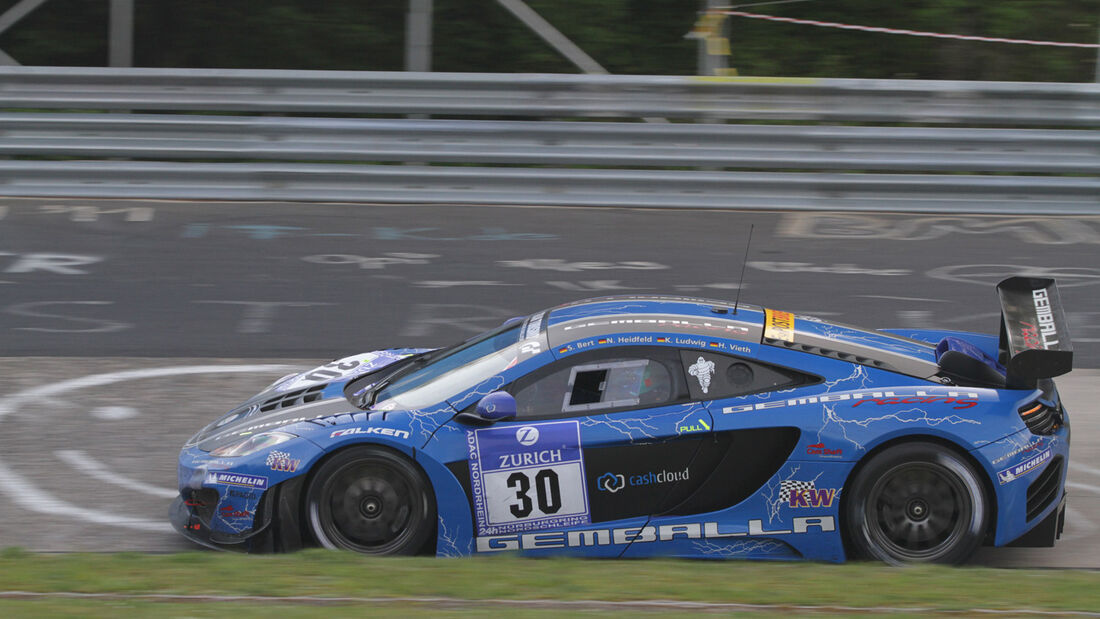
656,425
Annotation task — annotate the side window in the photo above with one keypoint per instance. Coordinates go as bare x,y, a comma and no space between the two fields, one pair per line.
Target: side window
711,376
591,383
615,384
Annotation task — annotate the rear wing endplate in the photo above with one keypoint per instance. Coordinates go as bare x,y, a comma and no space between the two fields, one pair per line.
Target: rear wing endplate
1035,340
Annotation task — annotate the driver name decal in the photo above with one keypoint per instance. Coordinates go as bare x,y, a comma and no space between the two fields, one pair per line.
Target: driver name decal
527,477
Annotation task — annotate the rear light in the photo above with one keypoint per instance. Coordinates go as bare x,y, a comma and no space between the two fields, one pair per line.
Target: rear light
1042,417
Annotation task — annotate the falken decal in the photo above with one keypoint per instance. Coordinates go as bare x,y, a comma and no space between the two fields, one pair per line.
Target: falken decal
778,325
370,430
530,477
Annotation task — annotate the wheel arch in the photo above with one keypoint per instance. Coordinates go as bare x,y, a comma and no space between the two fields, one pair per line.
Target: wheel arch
330,453
957,449
401,450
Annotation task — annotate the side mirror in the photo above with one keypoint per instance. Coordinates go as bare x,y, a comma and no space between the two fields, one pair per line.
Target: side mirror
497,406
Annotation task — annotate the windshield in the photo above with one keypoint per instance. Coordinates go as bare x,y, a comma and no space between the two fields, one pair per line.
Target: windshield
453,371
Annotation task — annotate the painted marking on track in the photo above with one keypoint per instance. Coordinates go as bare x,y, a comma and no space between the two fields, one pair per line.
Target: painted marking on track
451,284
990,274
1078,526
61,264
23,493
84,463
892,298
259,316
115,413
32,310
87,213
366,262
1031,230
1086,487
1077,466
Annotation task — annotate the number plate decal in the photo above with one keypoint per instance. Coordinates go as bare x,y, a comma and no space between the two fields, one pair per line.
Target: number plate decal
526,477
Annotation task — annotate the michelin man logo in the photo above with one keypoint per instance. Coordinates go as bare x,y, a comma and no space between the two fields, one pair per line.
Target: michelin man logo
702,369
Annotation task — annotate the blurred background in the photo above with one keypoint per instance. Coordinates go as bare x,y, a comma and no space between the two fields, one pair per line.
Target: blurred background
624,36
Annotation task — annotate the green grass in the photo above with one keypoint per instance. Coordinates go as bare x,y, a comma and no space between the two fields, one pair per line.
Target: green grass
331,574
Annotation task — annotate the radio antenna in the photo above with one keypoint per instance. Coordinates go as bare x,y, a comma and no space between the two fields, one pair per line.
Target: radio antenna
743,264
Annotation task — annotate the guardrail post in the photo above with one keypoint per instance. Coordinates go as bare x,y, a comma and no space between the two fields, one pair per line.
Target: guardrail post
121,44
418,36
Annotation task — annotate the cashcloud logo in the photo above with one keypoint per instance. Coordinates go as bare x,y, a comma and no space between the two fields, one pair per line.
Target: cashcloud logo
614,482
611,482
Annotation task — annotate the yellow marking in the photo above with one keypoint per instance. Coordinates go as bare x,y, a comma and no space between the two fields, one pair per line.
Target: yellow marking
718,46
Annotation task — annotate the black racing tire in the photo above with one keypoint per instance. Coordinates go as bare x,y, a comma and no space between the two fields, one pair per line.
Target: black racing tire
916,503
371,500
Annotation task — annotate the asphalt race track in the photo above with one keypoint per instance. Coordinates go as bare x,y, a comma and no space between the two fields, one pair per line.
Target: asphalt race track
126,325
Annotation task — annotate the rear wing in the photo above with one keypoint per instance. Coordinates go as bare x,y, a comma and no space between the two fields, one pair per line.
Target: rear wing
1035,340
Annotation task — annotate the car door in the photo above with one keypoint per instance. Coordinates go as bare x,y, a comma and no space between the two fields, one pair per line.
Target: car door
601,436
744,452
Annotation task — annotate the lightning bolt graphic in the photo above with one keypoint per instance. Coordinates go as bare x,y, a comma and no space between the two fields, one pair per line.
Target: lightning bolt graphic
742,547
907,416
448,547
425,422
859,378
632,428
602,310
650,426
872,340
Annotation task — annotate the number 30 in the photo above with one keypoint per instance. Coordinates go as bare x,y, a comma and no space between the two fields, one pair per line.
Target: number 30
547,492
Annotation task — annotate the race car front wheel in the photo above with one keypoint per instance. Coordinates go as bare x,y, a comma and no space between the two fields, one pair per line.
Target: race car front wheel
371,500
916,503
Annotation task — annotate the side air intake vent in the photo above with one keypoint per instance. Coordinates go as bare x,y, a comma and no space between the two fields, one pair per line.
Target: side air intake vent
293,398
1044,490
1041,417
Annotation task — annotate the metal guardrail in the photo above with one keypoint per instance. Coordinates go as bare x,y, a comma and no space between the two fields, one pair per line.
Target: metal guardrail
542,95
328,156
712,146
542,186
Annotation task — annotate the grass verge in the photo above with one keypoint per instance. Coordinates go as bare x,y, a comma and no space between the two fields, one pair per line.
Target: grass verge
329,574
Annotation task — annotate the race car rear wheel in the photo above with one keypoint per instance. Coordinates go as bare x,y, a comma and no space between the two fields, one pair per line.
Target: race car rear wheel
916,503
371,500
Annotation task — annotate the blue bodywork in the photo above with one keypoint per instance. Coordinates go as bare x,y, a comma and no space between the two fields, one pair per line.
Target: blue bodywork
760,475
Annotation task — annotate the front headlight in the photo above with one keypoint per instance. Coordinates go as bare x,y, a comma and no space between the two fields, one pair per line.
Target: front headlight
252,444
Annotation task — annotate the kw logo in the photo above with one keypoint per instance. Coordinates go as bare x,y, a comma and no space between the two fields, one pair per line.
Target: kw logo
820,497
805,494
